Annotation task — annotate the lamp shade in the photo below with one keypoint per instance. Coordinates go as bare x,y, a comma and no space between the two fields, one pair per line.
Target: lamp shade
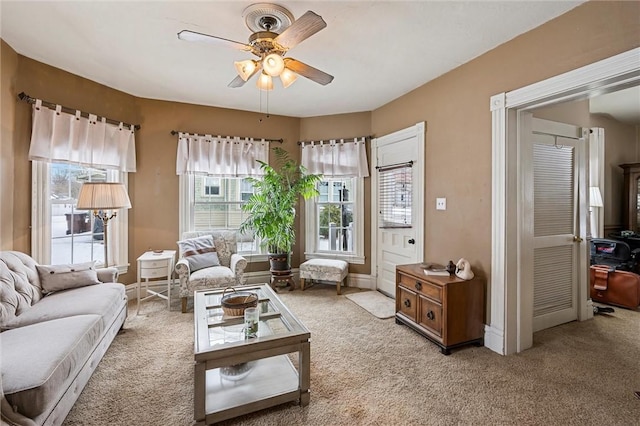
595,198
273,64
288,77
264,82
103,196
245,68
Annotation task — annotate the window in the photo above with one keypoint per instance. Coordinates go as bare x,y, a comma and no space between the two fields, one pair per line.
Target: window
63,234
215,203
210,186
334,220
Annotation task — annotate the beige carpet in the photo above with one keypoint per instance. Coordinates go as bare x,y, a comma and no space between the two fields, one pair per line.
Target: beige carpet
367,371
374,302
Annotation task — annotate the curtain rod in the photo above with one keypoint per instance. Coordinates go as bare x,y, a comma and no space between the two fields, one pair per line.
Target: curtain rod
366,138
175,132
24,97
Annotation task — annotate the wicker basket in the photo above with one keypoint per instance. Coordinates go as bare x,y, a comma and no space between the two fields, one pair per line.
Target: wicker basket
234,304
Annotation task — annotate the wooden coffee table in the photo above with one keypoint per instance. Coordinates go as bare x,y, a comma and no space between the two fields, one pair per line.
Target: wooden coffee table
234,375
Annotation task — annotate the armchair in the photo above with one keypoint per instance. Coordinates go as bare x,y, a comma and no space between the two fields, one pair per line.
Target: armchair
230,271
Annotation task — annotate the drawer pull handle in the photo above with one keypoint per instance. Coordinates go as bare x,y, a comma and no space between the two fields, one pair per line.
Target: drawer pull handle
418,285
407,303
430,315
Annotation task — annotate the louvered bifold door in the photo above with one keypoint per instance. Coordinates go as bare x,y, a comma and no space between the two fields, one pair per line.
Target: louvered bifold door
554,224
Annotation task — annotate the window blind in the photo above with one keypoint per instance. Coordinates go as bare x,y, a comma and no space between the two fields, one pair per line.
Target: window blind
395,196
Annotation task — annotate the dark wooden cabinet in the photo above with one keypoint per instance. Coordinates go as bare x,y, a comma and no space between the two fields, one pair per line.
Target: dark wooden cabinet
631,197
446,310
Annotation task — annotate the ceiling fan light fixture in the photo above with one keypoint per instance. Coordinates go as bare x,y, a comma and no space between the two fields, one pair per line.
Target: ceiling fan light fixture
288,77
245,68
273,64
264,82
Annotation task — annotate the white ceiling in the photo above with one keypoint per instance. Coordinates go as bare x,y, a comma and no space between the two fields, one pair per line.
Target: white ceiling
377,50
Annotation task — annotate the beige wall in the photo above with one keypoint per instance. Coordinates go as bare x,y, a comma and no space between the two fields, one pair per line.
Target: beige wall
9,66
455,107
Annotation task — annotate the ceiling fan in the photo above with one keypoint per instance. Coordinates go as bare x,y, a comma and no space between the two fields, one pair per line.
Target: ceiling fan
275,32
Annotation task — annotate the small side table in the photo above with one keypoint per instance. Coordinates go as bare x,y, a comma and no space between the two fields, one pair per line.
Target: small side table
155,265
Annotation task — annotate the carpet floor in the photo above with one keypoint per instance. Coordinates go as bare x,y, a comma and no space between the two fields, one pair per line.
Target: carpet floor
369,371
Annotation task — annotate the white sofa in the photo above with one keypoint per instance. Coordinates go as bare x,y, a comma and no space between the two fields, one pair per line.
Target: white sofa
52,341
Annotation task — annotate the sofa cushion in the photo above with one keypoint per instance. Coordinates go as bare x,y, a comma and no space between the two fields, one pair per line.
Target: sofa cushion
212,274
19,285
39,361
200,252
103,299
63,277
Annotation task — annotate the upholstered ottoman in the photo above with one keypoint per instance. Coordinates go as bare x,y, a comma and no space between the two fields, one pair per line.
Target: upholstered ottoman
324,270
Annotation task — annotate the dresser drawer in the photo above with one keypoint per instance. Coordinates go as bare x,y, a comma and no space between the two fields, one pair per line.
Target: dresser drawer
153,272
422,287
407,303
430,315
149,264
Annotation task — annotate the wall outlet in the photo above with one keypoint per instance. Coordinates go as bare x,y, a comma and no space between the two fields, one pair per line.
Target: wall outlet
441,203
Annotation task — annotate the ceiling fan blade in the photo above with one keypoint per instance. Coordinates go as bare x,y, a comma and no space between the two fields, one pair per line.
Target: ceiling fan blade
309,72
239,82
301,29
187,35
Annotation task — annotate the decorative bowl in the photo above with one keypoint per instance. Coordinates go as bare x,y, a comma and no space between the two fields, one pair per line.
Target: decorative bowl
234,304
236,372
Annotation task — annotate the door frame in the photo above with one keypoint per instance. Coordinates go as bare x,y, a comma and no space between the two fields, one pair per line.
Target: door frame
418,131
508,322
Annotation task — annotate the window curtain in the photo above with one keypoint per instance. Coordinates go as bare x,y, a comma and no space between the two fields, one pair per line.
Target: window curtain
57,136
336,158
220,156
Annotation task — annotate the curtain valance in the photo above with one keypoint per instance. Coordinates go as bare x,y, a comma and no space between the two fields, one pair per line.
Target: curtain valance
336,158
57,136
220,156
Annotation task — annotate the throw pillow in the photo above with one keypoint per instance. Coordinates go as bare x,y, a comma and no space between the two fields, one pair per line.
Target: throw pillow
63,277
200,252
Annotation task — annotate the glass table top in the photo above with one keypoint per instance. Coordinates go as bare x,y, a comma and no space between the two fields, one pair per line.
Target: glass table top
216,330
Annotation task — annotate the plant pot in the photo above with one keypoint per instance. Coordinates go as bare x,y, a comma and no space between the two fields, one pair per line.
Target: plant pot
279,263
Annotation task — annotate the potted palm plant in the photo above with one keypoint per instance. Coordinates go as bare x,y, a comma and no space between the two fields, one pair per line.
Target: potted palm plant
272,207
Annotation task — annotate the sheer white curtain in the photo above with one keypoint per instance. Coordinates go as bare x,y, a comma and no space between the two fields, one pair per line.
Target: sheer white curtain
220,156
57,136
336,158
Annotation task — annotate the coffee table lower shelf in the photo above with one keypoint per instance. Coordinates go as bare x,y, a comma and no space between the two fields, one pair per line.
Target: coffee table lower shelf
272,381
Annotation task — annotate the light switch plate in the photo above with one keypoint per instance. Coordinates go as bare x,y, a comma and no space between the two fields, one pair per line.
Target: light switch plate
441,203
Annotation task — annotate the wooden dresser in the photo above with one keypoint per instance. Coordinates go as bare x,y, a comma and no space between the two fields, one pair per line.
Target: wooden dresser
446,310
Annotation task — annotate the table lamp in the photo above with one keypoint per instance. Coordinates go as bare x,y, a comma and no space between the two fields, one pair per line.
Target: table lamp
100,197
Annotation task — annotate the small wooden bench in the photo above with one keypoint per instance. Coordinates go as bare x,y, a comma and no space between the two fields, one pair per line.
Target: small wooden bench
324,270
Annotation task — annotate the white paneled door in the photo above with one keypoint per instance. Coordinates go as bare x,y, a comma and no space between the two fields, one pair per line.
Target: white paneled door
555,187
398,194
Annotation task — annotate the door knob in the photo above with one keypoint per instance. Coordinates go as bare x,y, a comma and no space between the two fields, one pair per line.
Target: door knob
411,241
407,303
577,239
431,315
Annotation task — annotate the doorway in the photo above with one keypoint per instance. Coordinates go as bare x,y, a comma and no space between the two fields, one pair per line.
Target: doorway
510,325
